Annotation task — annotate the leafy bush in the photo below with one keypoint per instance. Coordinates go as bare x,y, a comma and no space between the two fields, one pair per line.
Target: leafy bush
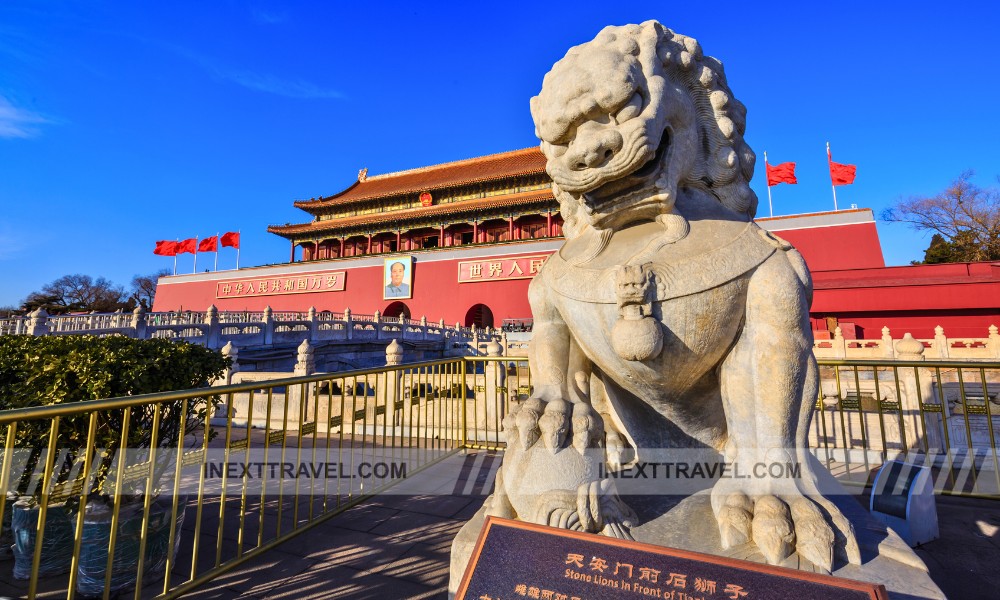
41,371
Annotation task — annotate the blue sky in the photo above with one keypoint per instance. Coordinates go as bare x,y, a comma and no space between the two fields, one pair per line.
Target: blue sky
126,123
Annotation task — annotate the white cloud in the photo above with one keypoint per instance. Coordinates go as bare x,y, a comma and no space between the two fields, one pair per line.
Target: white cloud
268,17
263,82
12,243
253,80
17,122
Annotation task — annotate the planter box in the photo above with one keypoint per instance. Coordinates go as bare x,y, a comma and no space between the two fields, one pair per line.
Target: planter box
97,533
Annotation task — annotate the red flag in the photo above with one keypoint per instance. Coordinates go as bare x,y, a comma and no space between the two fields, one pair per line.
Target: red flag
209,244
231,239
166,248
783,173
188,246
840,174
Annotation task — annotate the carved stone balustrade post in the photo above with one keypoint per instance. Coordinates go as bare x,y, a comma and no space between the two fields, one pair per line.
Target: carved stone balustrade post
394,354
993,343
494,381
888,348
305,363
940,342
839,345
38,323
297,396
139,323
377,319
917,385
268,326
231,352
909,348
214,333
389,384
313,323
348,323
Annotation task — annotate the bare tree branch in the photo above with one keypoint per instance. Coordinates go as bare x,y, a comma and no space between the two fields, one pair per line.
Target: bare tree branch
965,215
78,293
144,288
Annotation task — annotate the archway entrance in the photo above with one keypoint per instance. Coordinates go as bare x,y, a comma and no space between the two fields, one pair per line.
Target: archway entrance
397,309
479,315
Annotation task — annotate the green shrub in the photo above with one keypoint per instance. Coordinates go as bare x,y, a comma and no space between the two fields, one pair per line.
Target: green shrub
42,371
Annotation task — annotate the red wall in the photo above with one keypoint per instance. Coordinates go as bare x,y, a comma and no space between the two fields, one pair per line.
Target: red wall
963,298
853,246
850,280
435,288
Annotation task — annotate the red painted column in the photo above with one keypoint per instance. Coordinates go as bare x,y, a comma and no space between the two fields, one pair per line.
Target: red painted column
548,224
341,247
369,249
399,239
475,232
441,235
510,228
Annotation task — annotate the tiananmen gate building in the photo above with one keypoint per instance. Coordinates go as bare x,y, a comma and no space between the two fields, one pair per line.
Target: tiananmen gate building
462,240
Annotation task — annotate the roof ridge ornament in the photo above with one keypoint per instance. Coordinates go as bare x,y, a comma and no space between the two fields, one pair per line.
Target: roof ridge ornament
362,175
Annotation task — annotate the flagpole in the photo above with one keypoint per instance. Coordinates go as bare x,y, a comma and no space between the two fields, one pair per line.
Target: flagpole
829,159
238,231
175,256
769,206
216,250
194,269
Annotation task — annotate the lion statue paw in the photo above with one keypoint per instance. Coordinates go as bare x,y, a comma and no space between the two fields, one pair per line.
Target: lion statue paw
566,442
785,521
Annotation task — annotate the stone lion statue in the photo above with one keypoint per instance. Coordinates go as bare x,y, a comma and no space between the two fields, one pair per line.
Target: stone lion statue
668,319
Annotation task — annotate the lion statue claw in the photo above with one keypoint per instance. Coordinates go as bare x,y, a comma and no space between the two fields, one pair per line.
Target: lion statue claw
670,299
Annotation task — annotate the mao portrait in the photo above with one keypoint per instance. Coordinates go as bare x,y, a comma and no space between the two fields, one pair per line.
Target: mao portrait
397,276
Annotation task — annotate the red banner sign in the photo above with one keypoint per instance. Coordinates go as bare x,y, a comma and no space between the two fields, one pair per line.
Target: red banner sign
494,269
323,281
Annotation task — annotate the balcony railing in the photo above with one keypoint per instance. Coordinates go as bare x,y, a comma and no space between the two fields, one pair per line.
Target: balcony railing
214,328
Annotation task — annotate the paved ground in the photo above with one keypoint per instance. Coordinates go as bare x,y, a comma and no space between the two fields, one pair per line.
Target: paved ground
397,546
392,546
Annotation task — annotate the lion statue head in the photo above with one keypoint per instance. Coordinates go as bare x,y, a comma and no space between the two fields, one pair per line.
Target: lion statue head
628,119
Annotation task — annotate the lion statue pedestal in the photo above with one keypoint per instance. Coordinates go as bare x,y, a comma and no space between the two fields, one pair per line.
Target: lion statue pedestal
669,322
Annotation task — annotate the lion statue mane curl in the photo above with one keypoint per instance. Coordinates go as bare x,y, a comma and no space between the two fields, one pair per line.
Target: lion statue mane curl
664,105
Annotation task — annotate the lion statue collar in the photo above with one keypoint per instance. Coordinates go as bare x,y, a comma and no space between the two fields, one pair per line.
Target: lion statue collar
670,277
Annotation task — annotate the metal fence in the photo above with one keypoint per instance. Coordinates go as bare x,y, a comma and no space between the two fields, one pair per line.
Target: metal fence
115,494
154,495
942,414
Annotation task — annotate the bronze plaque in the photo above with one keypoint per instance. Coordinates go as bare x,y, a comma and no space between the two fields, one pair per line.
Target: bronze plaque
513,559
